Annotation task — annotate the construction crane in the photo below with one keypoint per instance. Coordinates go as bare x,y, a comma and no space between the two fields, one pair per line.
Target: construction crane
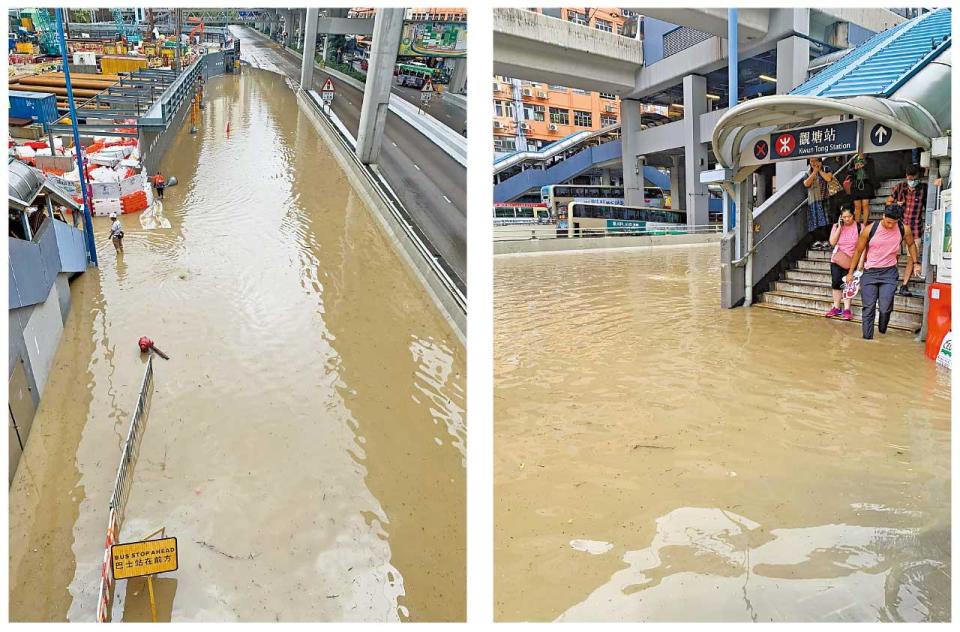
198,27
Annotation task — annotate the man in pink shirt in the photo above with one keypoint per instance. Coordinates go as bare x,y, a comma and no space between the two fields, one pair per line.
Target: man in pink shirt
881,241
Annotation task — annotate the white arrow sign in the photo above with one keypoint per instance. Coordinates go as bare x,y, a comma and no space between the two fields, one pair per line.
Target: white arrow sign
881,134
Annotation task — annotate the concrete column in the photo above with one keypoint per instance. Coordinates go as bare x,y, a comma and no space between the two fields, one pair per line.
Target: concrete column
387,29
793,59
676,192
695,152
309,44
632,162
296,33
287,26
763,188
458,78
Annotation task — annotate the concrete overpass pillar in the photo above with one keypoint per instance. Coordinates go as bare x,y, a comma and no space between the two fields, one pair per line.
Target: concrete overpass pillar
677,200
763,190
695,152
309,45
301,26
297,26
330,13
287,26
631,159
793,61
387,29
458,78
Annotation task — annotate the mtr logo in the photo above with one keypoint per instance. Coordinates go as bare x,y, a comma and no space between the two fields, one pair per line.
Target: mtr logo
785,144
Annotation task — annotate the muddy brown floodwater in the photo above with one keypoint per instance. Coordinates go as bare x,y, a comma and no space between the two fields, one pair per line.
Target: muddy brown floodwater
306,440
658,458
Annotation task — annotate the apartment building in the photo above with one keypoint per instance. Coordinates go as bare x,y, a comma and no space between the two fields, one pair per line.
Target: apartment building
529,115
609,20
421,14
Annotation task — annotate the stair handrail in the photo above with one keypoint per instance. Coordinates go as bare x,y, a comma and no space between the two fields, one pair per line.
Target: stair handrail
742,260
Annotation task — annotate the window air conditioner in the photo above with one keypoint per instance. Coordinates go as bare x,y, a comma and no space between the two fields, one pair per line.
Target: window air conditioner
608,108
525,126
527,92
497,125
542,95
552,127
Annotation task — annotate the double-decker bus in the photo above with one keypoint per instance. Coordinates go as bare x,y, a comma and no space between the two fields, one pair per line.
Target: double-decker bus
558,196
587,219
506,213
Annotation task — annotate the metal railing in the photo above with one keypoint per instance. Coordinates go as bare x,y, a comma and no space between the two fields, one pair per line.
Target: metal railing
527,232
743,260
121,490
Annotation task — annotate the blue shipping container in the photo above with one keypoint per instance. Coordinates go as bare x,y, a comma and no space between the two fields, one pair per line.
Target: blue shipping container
39,106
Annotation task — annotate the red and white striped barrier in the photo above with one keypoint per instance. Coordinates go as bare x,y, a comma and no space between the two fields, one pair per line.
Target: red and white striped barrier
106,572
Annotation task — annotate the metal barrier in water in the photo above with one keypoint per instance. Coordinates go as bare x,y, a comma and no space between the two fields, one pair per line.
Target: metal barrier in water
121,490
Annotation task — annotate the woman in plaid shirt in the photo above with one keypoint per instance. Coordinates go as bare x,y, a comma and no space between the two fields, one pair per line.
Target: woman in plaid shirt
912,196
818,194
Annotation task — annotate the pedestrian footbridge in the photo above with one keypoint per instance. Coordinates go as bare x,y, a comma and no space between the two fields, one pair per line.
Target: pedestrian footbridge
519,172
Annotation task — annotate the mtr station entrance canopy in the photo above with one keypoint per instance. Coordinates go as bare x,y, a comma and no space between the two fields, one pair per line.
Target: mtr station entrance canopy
890,93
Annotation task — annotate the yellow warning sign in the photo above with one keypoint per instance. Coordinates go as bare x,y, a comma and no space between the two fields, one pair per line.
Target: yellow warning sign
136,559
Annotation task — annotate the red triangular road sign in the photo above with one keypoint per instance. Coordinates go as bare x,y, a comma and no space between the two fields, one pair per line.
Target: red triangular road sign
327,86
428,86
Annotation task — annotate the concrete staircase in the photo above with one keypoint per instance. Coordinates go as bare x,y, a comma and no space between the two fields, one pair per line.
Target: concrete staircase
804,288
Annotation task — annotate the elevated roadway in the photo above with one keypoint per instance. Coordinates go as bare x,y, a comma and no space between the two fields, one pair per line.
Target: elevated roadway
431,185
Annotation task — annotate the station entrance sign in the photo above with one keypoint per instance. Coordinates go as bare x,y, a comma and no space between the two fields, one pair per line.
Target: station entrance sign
809,142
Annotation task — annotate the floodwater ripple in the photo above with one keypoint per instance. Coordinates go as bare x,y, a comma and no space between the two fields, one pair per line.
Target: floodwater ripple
286,448
762,465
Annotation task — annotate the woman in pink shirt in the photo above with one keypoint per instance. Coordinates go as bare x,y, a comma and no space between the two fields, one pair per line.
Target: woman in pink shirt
843,238
881,240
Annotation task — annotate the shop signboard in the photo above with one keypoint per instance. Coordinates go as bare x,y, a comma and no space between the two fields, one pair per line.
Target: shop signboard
433,39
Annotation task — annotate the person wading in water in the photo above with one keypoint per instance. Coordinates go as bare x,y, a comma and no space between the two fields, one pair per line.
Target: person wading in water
881,241
116,233
159,183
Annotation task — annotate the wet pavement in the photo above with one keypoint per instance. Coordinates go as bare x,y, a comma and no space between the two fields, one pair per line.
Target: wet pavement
658,458
306,441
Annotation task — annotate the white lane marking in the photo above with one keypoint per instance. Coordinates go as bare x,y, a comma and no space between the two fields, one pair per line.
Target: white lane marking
418,168
447,199
393,143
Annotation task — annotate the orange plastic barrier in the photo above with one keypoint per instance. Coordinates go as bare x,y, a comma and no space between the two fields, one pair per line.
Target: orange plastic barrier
938,319
134,202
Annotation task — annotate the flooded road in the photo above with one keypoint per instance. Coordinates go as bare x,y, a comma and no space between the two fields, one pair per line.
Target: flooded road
658,458
306,441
